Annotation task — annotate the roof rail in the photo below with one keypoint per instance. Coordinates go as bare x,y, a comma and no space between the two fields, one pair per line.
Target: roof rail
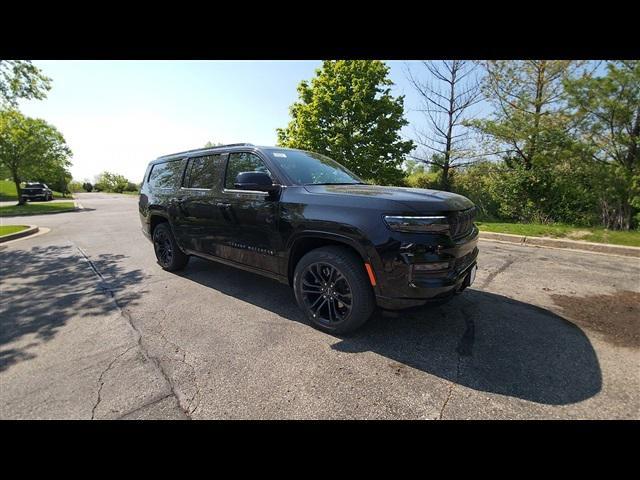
208,148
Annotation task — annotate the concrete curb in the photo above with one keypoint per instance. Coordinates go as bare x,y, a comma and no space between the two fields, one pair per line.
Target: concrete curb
561,243
23,233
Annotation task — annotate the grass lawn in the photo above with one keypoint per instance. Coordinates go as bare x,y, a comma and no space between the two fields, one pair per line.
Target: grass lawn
8,191
7,229
36,208
588,234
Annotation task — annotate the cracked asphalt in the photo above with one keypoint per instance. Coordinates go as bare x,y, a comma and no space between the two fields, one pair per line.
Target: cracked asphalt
91,327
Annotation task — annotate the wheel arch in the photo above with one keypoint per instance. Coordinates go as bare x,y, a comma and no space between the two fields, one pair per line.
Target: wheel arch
156,219
308,241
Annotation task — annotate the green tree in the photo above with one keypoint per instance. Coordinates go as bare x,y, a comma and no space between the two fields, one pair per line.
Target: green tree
21,79
211,144
530,120
111,182
608,111
31,149
348,113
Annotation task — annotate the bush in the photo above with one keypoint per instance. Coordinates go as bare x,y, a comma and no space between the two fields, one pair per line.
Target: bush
111,182
476,182
564,191
75,187
428,180
559,193
132,187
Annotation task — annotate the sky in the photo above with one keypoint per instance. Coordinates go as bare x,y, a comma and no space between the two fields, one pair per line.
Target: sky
119,115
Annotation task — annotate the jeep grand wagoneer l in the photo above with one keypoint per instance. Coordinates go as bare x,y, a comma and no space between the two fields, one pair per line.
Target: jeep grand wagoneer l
303,219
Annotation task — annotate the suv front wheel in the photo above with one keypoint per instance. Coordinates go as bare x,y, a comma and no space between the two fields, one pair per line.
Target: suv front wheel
331,287
168,253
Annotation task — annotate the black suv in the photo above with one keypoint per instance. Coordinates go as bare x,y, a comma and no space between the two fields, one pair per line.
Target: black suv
303,219
33,191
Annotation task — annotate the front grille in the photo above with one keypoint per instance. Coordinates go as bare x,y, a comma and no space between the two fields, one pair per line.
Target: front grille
461,223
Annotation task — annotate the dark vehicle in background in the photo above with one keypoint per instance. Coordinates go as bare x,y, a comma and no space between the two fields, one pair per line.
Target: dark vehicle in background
36,191
303,219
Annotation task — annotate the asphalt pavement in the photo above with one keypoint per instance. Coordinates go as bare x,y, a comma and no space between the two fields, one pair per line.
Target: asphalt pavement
92,327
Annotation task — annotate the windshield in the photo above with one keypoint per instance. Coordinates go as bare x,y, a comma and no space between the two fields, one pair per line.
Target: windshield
307,168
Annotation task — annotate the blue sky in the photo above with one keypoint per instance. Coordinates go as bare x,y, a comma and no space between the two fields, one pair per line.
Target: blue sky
118,115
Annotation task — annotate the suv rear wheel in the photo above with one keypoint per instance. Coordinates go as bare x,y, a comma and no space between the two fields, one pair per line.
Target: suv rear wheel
331,287
168,253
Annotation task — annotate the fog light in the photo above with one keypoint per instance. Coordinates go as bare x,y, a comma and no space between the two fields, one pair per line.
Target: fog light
430,267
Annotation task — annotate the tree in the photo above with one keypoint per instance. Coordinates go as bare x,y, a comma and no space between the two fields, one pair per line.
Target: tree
608,111
210,144
348,113
87,187
31,149
111,182
446,97
21,79
530,119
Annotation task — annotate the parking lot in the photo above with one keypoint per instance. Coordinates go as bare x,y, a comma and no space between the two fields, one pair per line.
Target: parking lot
91,327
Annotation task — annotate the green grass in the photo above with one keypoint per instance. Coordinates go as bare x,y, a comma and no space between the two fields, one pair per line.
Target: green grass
36,209
8,191
7,229
587,234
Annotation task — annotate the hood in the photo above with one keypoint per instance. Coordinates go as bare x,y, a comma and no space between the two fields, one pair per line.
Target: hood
419,199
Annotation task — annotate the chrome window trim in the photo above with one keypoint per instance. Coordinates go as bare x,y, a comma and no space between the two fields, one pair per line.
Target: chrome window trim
253,192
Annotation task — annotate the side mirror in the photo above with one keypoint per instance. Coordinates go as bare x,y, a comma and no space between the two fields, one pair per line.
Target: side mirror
256,181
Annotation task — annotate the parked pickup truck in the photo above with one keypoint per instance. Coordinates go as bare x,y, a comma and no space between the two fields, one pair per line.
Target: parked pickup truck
303,219
36,191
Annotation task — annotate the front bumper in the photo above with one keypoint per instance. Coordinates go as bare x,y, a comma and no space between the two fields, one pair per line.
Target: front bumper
33,195
402,285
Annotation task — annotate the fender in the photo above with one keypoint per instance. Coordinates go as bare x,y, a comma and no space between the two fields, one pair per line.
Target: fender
366,251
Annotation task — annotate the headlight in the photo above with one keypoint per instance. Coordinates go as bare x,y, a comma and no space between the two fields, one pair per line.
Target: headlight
433,224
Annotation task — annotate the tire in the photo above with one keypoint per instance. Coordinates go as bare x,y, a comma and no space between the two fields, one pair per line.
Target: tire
323,294
169,255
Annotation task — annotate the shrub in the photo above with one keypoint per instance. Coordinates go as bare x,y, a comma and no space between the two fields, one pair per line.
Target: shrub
476,182
429,180
75,187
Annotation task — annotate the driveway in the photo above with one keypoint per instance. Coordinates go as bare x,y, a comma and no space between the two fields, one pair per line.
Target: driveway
91,327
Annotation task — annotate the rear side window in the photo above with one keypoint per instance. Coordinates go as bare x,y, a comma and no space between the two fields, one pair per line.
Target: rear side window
204,172
166,175
243,162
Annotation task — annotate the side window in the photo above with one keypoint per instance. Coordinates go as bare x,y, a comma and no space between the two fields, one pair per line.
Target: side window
165,175
204,172
243,162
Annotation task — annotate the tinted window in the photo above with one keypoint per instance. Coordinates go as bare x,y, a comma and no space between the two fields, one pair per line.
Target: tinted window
204,172
166,175
307,168
243,162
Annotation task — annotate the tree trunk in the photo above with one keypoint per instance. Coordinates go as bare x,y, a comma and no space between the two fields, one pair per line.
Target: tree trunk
444,181
540,84
17,181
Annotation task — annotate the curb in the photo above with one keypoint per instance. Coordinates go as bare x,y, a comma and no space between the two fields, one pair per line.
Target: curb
560,243
23,233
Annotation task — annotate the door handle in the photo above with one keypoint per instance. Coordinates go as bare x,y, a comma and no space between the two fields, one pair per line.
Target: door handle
223,205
